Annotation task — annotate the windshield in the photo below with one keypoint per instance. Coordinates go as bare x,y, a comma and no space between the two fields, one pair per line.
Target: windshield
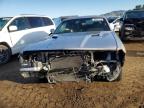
135,14
82,25
3,21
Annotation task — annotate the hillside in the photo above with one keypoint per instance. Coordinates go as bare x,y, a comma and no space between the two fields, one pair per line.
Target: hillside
114,13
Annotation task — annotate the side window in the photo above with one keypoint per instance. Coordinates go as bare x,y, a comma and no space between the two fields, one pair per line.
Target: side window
47,21
35,22
21,23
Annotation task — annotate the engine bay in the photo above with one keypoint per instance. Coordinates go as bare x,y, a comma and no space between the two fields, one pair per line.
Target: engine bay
59,66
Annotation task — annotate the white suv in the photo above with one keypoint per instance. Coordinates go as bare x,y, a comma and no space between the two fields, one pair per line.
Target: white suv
19,31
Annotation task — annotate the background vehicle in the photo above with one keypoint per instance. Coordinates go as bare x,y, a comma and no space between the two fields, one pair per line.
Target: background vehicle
132,25
19,31
116,25
82,48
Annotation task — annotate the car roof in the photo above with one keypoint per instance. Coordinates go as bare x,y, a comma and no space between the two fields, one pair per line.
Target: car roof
5,17
135,10
30,15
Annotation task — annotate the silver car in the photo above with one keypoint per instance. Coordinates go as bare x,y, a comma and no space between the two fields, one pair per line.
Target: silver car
82,48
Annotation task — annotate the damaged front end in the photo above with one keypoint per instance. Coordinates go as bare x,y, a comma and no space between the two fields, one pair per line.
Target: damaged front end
68,65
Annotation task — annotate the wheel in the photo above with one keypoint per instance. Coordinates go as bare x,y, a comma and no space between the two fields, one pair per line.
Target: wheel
115,74
5,54
122,34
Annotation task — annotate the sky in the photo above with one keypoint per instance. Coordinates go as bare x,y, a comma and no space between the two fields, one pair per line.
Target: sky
56,8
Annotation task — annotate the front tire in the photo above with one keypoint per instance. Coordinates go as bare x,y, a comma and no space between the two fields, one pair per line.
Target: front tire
5,54
122,34
116,74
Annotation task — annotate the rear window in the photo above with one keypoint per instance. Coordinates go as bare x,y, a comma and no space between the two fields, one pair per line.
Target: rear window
47,21
35,22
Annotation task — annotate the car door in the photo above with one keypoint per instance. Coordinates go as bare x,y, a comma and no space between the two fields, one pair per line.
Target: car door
20,34
29,30
38,30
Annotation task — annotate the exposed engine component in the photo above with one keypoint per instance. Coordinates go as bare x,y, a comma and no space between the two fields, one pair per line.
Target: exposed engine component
70,65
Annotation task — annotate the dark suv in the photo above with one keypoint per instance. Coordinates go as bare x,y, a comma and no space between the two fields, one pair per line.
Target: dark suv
132,25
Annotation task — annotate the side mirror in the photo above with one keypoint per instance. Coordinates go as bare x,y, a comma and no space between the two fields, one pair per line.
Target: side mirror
13,28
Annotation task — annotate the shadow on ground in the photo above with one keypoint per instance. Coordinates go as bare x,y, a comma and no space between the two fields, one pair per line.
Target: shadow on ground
10,72
133,41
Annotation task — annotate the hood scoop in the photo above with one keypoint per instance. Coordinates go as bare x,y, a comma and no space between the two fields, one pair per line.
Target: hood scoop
99,34
95,35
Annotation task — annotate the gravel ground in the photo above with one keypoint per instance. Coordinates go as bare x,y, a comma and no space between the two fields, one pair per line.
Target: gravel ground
16,92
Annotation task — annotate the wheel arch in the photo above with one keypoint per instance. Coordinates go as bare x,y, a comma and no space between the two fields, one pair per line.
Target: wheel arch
121,56
6,44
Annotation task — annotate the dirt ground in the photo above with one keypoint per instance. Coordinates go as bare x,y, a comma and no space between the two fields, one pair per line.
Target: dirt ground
16,92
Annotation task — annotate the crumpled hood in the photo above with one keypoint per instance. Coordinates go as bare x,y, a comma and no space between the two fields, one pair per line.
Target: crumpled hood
77,41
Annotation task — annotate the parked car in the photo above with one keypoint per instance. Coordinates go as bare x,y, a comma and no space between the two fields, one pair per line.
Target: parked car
19,31
132,25
82,48
116,25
